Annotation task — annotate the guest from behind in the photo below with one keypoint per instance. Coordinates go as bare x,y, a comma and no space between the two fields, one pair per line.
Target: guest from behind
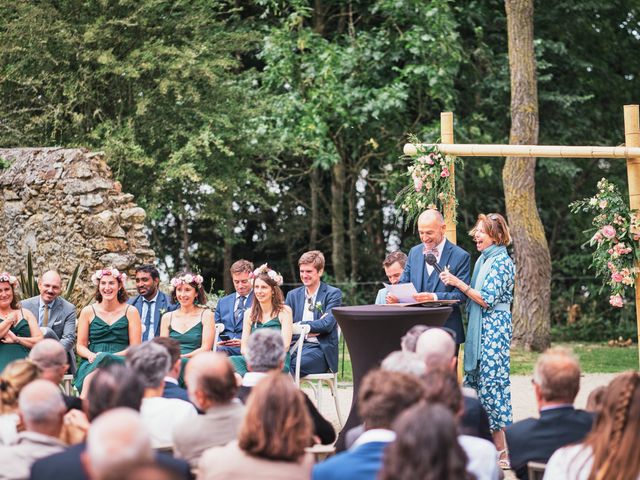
312,304
56,316
108,327
19,330
410,339
610,450
595,400
393,267
486,351
13,379
556,381
151,362
381,399
212,388
425,279
267,311
150,302
172,389
230,309
41,409
265,354
272,440
426,446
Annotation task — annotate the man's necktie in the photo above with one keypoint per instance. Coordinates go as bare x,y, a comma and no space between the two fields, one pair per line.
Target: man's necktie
45,316
240,309
432,251
147,321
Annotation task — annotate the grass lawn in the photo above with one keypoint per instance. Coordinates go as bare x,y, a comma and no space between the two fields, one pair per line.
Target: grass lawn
594,358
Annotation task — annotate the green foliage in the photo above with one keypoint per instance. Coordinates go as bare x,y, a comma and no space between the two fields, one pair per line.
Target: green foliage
29,281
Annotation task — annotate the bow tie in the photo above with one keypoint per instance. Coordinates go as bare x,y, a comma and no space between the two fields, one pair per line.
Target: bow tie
432,251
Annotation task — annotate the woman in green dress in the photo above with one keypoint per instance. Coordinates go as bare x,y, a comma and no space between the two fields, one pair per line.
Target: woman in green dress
192,324
268,311
107,328
19,330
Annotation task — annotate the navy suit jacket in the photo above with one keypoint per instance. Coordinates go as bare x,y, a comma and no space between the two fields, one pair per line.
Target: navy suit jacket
535,439
325,326
171,390
163,304
458,261
360,463
225,313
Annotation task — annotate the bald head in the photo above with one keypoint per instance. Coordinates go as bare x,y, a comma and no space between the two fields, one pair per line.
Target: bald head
42,407
51,358
436,348
50,286
210,380
431,228
431,215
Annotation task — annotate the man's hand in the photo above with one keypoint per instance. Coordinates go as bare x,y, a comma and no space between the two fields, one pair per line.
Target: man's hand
234,342
391,298
424,297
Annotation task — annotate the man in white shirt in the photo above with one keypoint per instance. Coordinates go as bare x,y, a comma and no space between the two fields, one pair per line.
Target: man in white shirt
393,267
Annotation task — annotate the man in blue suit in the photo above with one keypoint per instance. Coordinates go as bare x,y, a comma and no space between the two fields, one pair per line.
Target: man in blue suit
425,278
381,399
231,308
312,304
150,302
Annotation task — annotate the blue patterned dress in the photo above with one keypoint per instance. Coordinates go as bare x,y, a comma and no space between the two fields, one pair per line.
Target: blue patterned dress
492,381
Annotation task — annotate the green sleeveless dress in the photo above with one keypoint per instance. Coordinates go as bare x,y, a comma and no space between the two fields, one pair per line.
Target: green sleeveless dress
105,340
14,351
238,361
189,341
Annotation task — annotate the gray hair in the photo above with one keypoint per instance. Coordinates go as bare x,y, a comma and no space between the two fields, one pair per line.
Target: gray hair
48,353
117,437
265,350
404,362
410,339
557,373
41,403
151,362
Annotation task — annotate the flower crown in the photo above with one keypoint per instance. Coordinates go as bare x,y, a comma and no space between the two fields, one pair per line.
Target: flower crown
187,279
112,271
272,274
5,277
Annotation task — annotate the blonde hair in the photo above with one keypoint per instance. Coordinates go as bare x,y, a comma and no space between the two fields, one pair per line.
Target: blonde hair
15,376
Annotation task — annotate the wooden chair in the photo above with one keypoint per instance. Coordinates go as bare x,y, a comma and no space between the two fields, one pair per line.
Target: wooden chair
219,329
67,384
536,470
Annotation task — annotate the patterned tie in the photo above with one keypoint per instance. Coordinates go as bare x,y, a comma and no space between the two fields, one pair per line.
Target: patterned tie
147,321
45,316
432,251
240,310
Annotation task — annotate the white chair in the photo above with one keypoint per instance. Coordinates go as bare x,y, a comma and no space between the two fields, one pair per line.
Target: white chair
67,384
300,329
219,329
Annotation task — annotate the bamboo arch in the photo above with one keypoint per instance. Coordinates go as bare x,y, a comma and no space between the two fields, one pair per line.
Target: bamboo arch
631,151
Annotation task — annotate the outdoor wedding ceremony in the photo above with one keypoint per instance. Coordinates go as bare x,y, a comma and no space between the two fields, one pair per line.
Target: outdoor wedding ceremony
359,240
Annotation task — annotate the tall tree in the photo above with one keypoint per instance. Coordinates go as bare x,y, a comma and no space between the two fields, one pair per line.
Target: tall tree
533,262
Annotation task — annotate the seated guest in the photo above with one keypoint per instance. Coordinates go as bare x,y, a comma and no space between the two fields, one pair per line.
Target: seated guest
610,450
426,446
41,410
556,381
118,437
230,309
13,379
272,440
312,304
56,317
410,339
150,302
393,267
212,388
171,387
437,348
265,354
51,358
382,397
151,362
595,400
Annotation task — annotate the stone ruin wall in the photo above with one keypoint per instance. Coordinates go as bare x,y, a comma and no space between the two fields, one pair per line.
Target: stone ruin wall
64,206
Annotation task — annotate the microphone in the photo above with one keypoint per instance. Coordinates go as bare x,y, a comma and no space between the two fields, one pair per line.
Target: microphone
431,259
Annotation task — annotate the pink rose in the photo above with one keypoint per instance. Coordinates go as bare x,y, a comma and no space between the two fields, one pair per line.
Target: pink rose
430,159
616,301
417,183
617,277
445,172
608,231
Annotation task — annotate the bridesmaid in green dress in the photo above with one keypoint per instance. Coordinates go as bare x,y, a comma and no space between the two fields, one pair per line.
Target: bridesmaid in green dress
107,328
19,330
268,311
192,324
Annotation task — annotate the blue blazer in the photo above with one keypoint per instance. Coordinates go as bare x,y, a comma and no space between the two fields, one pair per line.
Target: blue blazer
415,271
171,390
225,314
163,304
326,327
360,463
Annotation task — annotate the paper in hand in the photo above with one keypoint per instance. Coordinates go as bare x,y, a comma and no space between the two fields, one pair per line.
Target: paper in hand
404,292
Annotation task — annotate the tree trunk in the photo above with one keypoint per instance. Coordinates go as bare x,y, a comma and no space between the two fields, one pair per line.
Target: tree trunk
227,250
353,229
338,179
314,184
531,315
185,237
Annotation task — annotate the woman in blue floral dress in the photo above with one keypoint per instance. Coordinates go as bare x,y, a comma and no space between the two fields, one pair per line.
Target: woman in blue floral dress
487,346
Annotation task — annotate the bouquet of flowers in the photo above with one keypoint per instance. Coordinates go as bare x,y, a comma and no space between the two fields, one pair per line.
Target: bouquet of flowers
615,239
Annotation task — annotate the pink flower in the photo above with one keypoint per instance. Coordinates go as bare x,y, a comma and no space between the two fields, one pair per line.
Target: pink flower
611,266
445,172
430,159
603,204
417,183
597,237
617,277
616,301
608,231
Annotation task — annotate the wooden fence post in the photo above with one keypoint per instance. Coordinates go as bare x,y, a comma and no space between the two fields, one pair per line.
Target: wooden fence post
446,136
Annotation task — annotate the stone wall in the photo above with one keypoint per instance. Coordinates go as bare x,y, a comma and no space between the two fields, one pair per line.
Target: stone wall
64,206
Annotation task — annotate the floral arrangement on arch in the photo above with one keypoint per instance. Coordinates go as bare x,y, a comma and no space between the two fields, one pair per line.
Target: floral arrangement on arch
616,239
430,186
